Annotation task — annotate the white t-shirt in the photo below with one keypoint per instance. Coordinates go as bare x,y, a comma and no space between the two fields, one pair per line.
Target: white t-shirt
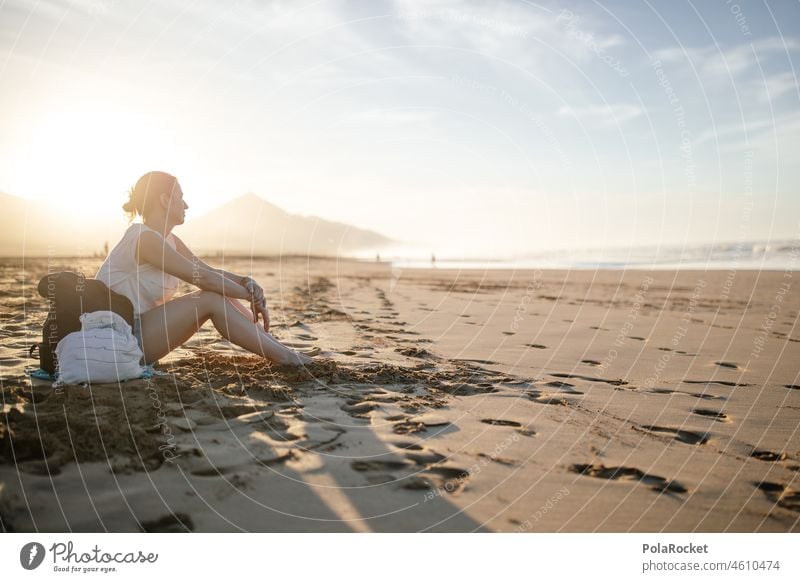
145,285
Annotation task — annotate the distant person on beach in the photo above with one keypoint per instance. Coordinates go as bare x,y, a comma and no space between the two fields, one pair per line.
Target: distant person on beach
149,262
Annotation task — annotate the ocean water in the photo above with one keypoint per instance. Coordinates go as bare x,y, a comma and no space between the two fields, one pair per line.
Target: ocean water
783,255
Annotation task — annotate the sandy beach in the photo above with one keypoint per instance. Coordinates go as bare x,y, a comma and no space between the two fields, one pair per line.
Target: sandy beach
444,400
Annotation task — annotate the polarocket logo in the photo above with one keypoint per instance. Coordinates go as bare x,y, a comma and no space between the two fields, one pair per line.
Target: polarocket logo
31,555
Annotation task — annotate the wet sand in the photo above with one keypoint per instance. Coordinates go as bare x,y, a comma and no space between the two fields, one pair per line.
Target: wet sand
443,400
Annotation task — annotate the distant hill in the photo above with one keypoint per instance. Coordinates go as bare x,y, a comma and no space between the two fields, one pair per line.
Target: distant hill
248,225
43,228
252,226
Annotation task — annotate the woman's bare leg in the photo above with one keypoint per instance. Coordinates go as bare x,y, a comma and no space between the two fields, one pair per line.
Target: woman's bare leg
168,326
249,315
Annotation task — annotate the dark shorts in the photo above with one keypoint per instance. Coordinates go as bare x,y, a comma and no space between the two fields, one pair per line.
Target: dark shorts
137,332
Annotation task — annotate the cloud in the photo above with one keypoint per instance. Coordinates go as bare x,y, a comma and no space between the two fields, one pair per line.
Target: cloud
777,135
734,131
600,116
509,30
775,86
717,61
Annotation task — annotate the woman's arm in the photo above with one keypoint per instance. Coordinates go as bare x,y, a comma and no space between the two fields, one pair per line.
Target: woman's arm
258,302
154,250
182,249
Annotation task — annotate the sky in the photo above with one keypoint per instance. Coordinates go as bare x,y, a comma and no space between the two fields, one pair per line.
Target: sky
483,129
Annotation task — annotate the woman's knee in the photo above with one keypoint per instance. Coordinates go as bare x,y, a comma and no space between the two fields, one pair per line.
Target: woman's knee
210,300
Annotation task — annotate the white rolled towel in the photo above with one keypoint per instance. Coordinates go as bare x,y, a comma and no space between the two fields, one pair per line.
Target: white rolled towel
105,350
101,319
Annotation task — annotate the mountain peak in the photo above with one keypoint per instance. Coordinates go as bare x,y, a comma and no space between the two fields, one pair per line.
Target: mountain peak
253,199
249,224
250,197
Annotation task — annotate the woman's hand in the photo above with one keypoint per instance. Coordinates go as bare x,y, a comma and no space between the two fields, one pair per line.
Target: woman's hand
262,309
258,301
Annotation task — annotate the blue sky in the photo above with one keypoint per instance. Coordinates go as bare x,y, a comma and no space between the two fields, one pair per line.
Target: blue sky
474,128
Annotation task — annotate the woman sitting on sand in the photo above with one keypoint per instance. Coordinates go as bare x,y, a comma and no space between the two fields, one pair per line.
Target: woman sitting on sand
147,264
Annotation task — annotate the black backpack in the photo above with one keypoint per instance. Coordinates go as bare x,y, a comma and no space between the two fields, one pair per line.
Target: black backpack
70,295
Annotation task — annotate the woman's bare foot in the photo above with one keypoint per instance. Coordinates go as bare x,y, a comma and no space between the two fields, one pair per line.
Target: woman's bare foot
296,359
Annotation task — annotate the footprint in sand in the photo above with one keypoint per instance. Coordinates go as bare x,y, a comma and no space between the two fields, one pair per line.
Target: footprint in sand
278,429
655,482
414,352
729,365
212,461
290,410
792,386
720,382
591,362
565,387
359,409
692,394
500,422
536,346
705,396
448,479
172,523
590,379
463,389
449,473
257,414
425,464
769,456
409,426
363,466
663,391
418,454
408,446
780,494
684,436
361,406
544,398
527,431
426,457
707,412
476,361
559,384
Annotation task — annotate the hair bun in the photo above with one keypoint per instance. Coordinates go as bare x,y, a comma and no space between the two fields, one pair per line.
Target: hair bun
146,190
129,207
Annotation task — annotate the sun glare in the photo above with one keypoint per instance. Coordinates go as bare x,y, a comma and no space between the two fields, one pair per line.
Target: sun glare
87,153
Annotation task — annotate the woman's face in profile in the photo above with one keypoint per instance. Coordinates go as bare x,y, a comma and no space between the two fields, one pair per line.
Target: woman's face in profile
177,207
